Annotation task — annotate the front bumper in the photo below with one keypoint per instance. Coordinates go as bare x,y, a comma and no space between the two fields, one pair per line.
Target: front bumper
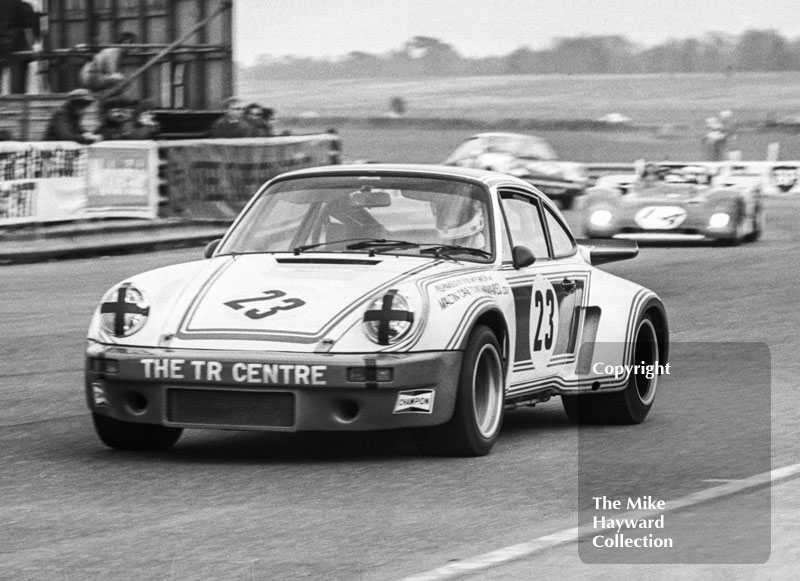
641,235
271,391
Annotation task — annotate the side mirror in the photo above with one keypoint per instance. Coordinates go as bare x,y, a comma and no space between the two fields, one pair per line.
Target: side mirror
211,247
522,256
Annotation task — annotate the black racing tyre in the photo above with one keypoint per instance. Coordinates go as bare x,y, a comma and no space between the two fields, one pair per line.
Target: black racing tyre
758,225
131,436
740,221
478,414
632,404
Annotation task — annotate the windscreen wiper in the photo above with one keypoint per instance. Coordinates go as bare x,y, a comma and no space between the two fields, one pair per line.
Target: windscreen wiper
377,245
298,249
445,251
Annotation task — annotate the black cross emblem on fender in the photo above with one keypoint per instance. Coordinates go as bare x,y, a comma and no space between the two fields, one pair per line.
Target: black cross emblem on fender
120,308
386,315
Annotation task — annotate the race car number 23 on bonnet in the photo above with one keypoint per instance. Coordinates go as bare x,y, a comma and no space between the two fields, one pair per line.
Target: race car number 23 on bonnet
372,297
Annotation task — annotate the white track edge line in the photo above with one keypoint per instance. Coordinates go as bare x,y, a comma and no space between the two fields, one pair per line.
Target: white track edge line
540,544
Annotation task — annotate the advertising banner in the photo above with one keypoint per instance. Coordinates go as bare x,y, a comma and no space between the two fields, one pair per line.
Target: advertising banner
62,181
203,178
214,178
123,180
42,182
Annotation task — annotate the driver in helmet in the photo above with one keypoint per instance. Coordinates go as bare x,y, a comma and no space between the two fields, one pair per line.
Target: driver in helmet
460,221
648,174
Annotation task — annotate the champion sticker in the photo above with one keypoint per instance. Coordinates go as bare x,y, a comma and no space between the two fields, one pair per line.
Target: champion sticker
416,402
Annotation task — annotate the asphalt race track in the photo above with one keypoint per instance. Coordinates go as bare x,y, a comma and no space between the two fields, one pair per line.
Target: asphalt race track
244,505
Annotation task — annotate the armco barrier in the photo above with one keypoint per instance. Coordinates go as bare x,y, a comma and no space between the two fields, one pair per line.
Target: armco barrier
598,170
774,178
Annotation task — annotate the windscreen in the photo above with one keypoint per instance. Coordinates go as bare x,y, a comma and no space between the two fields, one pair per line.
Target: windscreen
355,213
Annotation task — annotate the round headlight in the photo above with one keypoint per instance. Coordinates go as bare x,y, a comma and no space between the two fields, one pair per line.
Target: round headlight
719,220
124,310
388,318
601,218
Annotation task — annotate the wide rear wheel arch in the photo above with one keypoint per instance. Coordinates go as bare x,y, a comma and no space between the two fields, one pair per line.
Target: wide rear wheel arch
632,404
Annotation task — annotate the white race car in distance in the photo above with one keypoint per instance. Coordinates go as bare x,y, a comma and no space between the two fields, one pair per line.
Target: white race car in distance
527,157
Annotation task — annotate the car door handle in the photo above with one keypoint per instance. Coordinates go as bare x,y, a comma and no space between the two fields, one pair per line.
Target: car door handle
568,285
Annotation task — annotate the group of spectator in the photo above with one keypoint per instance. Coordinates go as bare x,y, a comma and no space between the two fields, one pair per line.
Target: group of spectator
102,82
239,120
121,118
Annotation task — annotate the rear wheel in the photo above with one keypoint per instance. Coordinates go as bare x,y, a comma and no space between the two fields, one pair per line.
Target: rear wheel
758,225
632,404
740,223
478,414
131,436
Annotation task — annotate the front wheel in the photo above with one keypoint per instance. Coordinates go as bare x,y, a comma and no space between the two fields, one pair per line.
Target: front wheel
478,414
632,404
131,436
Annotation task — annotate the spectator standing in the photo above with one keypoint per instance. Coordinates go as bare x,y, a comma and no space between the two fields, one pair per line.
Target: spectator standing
729,128
16,34
65,124
102,72
232,123
715,139
35,81
260,120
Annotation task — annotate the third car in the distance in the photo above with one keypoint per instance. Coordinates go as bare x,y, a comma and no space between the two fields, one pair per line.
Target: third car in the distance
673,201
527,157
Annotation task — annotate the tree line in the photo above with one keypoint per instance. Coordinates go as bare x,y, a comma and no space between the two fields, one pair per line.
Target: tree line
753,50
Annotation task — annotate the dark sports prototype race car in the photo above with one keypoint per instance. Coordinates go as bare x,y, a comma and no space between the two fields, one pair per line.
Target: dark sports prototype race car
675,201
373,297
526,157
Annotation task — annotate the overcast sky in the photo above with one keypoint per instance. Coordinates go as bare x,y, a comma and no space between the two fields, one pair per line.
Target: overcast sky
487,27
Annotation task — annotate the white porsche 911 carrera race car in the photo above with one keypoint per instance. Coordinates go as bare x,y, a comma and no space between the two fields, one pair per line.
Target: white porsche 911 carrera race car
374,297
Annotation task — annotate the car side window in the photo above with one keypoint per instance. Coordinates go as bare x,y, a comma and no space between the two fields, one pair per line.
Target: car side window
524,220
560,239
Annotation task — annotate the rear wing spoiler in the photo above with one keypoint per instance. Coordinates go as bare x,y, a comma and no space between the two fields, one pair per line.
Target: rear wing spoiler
605,251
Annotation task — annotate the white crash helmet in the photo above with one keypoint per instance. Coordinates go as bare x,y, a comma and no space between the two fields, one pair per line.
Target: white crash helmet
458,217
